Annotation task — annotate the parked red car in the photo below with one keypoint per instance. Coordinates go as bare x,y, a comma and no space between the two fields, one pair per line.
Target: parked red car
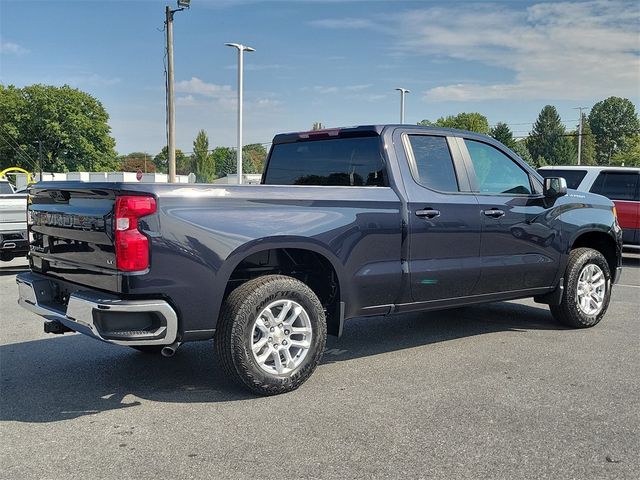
620,184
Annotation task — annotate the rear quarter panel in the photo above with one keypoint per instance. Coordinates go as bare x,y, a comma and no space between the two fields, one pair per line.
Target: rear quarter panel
205,231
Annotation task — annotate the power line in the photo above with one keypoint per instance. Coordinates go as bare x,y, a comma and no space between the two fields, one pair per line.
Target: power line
24,155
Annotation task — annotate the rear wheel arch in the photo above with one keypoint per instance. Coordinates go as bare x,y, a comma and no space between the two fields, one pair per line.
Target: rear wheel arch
310,264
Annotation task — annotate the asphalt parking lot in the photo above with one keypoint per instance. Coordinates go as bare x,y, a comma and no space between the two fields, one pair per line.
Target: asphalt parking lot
492,391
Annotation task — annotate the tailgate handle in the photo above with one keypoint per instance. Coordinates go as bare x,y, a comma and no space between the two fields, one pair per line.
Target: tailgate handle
428,213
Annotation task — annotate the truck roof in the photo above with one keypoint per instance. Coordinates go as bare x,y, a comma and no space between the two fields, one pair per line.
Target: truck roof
590,167
358,131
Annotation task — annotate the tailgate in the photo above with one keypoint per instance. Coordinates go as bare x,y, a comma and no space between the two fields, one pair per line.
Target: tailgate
71,234
13,212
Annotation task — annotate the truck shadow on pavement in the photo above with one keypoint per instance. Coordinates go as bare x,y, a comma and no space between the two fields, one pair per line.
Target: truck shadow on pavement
61,378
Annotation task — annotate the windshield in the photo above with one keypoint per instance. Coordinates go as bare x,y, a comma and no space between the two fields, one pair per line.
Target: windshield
5,187
573,177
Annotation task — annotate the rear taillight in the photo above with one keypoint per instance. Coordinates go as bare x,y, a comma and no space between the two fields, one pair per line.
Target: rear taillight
132,246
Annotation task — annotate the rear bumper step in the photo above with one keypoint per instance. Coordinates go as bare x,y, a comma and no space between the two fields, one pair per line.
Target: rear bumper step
105,317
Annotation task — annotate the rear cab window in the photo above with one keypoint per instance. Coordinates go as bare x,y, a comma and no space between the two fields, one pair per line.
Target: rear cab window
573,177
355,162
618,185
432,163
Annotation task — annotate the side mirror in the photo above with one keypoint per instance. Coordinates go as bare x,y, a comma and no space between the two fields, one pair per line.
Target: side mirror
555,187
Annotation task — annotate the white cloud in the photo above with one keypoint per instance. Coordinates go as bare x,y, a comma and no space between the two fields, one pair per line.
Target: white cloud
564,50
199,87
11,48
331,89
251,67
186,101
267,103
357,88
89,79
344,23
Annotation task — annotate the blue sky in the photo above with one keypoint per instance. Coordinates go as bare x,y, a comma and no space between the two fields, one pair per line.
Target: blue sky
333,62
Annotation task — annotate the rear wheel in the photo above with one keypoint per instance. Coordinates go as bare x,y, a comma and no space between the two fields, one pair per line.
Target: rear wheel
271,334
587,289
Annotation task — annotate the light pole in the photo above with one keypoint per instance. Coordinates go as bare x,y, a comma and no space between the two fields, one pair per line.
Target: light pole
241,49
403,92
171,109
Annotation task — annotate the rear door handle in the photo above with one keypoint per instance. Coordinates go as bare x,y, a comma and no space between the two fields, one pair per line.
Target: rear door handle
428,213
494,213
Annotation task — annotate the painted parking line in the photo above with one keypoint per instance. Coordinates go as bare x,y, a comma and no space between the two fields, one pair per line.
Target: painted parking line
624,285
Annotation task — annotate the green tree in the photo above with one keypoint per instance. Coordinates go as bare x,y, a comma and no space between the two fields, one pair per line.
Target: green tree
183,162
520,147
256,154
224,159
69,126
203,160
503,134
474,122
135,161
630,156
613,121
548,139
588,153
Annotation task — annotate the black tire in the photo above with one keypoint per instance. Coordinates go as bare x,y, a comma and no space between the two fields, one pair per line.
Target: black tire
6,257
148,349
234,337
569,312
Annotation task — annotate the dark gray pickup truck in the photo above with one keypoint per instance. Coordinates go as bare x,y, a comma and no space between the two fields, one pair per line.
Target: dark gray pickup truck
371,220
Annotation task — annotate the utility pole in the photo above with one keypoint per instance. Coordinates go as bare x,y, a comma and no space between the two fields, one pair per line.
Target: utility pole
39,142
403,92
580,133
40,158
241,49
171,109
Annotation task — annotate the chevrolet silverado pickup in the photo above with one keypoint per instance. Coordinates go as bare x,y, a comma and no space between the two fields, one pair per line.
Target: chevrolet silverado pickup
351,222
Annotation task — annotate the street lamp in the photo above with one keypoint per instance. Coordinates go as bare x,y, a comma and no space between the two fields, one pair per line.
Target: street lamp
241,49
403,92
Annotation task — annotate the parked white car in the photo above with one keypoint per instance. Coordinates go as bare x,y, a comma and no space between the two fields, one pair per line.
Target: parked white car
13,222
619,184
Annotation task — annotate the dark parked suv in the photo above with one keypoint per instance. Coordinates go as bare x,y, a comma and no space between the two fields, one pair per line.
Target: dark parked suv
361,221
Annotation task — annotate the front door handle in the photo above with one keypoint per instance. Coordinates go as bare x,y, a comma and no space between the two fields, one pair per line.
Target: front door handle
428,213
494,213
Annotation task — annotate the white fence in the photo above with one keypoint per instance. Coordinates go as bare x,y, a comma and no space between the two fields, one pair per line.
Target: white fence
231,179
21,178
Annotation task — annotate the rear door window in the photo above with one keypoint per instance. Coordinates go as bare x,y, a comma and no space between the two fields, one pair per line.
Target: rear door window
433,164
496,172
573,177
617,185
355,162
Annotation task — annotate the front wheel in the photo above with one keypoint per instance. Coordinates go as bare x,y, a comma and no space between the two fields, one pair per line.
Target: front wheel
587,289
271,334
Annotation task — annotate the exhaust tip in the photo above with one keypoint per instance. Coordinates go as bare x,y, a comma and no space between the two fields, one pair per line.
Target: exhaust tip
170,350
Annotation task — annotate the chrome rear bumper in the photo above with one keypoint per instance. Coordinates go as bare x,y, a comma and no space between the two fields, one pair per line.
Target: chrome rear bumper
95,314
